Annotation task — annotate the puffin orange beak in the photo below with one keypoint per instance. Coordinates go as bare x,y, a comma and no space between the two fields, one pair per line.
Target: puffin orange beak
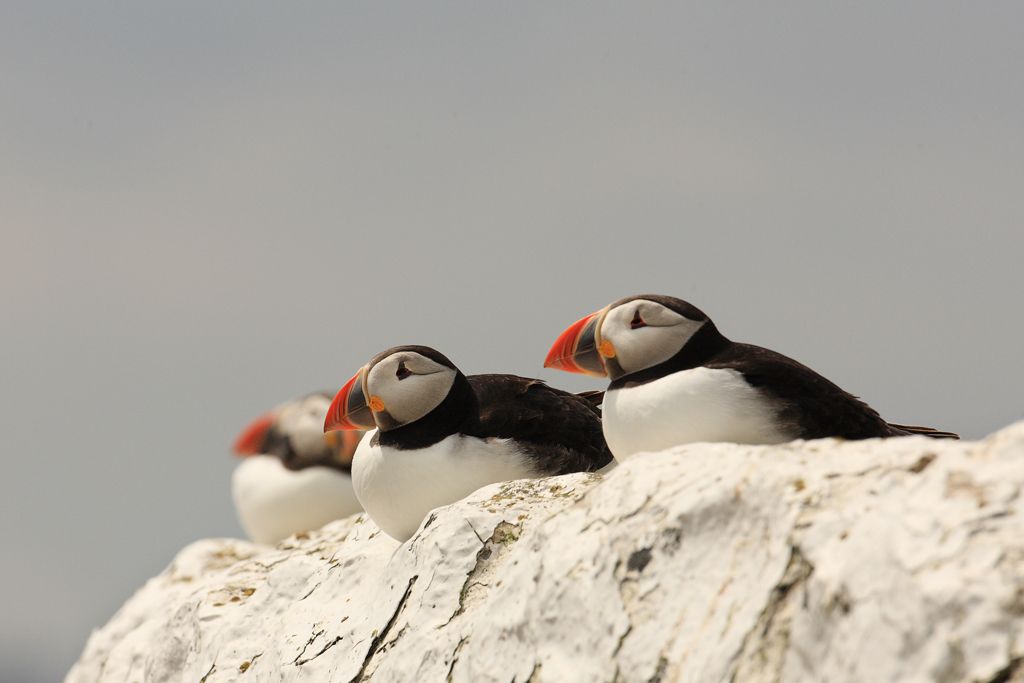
577,349
350,408
250,441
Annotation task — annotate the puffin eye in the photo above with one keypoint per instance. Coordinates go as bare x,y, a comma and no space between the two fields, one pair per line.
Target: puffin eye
637,322
402,371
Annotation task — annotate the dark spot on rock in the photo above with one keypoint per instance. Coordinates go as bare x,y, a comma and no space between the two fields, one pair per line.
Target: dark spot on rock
659,673
922,463
639,560
672,539
840,602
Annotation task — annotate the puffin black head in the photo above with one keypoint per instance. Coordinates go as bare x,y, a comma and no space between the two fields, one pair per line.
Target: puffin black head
632,335
396,388
293,432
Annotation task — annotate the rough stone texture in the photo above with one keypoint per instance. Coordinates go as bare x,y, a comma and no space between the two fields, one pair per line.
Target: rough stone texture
898,560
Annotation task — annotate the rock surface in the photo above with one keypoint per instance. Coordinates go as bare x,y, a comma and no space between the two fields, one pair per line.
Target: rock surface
898,560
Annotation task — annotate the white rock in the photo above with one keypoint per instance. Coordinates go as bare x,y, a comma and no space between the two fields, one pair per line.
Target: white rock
898,560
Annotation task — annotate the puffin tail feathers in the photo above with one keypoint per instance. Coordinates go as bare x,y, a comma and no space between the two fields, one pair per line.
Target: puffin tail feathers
594,398
906,430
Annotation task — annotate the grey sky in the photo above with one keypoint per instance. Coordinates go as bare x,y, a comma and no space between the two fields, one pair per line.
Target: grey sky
207,208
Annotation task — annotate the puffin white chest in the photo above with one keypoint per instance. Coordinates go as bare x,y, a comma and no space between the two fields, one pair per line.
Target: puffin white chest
398,488
274,502
701,404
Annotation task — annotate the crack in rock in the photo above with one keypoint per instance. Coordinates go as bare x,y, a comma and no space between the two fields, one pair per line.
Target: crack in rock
504,534
213,667
388,645
455,658
247,664
310,591
659,673
764,646
379,638
308,643
325,648
617,676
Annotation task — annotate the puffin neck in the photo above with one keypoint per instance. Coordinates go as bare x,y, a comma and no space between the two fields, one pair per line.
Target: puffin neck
706,343
457,411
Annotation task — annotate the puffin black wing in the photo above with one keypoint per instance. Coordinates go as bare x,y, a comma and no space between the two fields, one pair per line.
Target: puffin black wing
809,405
559,431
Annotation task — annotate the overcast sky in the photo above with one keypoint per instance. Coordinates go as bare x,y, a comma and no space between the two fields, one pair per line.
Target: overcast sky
207,208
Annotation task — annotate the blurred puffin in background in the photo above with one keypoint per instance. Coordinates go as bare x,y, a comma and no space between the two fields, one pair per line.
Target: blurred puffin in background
442,435
292,476
676,379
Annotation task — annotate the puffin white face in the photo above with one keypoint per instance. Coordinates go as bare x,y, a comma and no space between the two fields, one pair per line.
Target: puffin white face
640,334
303,422
405,387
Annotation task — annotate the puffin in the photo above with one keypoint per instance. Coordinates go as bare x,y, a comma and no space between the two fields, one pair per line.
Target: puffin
292,476
676,379
440,434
